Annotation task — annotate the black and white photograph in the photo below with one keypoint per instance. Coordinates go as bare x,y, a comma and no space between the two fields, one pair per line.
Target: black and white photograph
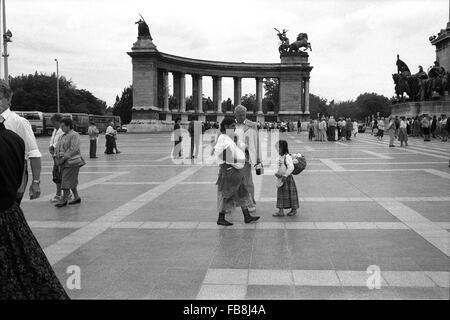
224,156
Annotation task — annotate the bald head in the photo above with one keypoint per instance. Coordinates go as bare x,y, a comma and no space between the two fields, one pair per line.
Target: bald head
240,112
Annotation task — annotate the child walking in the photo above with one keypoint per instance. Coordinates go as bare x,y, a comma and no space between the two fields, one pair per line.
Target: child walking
287,197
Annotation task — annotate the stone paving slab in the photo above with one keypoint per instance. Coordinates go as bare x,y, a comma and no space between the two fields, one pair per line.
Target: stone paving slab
150,233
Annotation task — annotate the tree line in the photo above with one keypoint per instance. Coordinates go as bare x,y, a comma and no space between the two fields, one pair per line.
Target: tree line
37,92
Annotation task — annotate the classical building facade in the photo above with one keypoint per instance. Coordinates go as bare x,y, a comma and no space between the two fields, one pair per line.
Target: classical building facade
151,70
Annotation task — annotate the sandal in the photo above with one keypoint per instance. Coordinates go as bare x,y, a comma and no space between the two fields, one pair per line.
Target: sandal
277,214
291,213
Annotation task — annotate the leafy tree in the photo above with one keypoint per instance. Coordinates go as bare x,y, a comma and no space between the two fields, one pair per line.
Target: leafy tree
38,92
272,94
249,101
123,106
318,105
371,103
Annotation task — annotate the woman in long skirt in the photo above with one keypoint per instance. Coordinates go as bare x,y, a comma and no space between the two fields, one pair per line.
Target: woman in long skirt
231,190
287,196
70,161
25,272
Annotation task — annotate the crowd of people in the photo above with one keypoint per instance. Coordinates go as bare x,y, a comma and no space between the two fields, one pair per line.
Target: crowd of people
420,126
328,129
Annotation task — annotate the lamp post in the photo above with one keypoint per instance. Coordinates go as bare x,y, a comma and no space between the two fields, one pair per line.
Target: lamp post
6,38
57,84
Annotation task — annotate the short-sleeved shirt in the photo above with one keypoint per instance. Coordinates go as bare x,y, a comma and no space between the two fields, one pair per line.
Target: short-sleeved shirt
23,129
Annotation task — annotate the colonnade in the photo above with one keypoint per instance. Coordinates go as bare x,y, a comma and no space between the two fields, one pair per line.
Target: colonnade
179,92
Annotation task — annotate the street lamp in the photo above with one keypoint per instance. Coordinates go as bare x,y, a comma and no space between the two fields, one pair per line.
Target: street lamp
57,84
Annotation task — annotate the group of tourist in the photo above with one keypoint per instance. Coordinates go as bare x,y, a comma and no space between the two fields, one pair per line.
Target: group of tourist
326,128
402,127
236,157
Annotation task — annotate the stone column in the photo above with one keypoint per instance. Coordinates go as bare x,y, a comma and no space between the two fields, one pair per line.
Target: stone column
194,91
306,95
237,90
199,94
176,88
182,94
259,94
217,93
165,90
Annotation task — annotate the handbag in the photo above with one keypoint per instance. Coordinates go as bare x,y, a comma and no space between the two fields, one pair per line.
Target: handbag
76,161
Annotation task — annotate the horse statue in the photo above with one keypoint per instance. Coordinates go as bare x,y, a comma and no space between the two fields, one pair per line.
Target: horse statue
284,46
301,42
401,86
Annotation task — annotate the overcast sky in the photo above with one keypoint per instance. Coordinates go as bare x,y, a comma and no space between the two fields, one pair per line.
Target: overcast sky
354,43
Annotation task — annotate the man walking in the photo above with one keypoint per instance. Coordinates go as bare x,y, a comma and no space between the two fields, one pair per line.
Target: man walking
22,128
248,141
93,133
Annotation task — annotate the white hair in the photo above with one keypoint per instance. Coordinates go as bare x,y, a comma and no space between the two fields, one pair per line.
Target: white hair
240,108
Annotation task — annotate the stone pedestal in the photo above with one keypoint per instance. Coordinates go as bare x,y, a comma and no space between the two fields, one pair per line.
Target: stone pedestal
144,44
294,85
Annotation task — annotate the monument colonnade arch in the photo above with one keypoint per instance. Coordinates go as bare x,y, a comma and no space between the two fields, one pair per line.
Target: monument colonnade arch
151,70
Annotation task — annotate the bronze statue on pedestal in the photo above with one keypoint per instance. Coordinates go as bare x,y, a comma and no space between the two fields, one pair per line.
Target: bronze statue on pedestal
143,29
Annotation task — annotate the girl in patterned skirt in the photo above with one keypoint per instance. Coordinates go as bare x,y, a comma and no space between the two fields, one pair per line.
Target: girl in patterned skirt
287,197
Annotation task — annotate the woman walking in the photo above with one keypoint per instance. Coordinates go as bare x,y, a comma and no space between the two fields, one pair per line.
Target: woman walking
426,128
287,196
391,128
231,189
380,132
70,161
310,129
25,272
403,134
355,128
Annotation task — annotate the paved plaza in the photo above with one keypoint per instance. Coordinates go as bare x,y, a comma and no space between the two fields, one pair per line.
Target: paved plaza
146,228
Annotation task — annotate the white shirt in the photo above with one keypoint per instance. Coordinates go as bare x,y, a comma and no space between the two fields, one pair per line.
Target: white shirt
23,129
285,165
224,142
110,130
402,124
56,135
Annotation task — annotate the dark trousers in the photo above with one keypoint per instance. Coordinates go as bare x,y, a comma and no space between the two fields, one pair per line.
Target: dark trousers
93,148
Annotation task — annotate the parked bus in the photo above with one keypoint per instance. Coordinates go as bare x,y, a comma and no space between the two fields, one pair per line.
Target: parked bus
48,126
36,119
102,122
80,122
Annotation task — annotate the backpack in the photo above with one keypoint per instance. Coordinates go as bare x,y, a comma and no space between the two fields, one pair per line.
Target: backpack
299,161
